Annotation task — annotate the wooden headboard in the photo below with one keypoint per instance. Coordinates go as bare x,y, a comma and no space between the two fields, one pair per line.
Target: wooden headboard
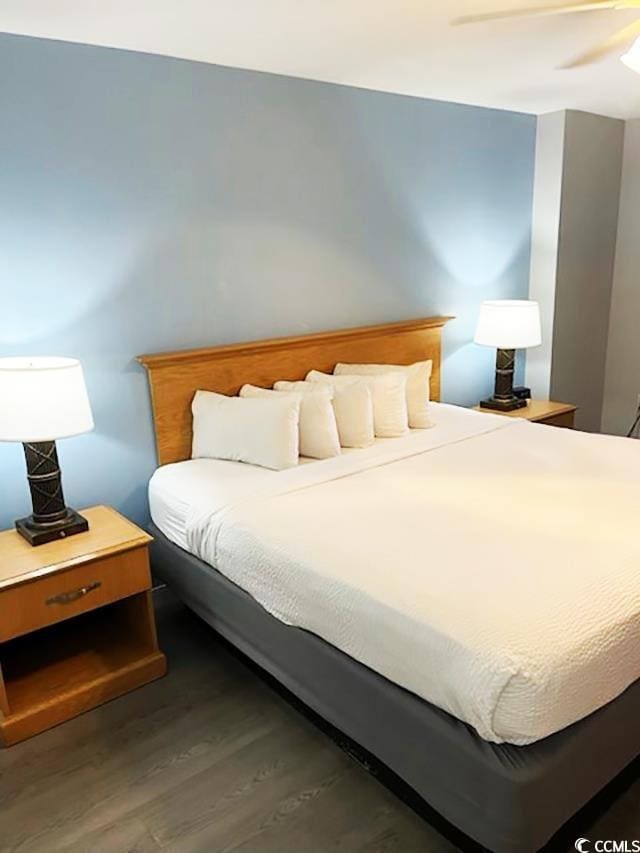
174,377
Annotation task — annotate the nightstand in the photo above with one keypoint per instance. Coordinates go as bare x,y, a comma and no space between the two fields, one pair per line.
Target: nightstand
542,412
76,623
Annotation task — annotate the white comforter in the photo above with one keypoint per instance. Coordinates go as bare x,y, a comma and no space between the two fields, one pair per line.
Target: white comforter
489,565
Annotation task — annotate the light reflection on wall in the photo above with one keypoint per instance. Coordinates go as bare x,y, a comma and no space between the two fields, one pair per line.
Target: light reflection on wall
55,288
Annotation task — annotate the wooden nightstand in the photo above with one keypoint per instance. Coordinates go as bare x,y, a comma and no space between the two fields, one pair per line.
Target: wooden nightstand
543,412
76,623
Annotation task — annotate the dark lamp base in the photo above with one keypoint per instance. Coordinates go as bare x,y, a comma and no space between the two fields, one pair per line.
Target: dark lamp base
37,534
508,405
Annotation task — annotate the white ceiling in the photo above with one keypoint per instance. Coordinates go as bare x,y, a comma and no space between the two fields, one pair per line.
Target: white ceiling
402,46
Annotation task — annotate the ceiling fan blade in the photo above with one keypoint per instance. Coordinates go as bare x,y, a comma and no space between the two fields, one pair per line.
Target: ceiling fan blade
620,39
541,11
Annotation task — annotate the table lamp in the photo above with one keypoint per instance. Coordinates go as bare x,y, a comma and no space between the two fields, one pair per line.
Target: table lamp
41,400
509,325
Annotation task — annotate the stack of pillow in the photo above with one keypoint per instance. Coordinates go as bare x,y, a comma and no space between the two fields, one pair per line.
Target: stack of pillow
313,418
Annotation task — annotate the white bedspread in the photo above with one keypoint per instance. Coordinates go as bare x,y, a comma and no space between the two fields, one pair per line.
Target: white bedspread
489,565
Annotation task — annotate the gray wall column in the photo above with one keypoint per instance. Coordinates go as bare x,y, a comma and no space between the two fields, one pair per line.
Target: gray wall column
575,217
545,235
622,379
587,244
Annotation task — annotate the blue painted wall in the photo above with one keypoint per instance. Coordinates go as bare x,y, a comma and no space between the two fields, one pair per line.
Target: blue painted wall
148,203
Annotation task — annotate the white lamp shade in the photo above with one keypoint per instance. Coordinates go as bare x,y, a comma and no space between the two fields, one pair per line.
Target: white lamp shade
632,57
42,399
509,324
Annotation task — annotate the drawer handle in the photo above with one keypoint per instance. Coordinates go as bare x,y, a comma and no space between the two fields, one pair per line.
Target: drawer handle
69,597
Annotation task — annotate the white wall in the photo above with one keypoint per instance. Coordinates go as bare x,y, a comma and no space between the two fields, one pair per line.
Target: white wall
622,378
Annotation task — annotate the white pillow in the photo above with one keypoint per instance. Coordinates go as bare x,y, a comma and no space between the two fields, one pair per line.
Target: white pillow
260,431
418,390
352,405
389,396
318,429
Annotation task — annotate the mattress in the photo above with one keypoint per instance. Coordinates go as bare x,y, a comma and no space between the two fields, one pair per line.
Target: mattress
488,565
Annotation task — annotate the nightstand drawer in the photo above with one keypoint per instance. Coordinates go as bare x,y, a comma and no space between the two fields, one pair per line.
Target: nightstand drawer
53,598
566,420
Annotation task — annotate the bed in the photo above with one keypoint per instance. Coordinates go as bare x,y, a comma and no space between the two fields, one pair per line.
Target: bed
510,722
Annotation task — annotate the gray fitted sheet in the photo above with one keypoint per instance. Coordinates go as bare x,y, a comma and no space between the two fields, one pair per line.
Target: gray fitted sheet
510,799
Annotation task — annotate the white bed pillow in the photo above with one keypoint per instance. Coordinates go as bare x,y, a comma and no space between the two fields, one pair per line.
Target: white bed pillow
418,386
259,431
353,407
318,429
389,397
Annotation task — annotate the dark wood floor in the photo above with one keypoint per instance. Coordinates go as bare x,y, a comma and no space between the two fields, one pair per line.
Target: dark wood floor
212,758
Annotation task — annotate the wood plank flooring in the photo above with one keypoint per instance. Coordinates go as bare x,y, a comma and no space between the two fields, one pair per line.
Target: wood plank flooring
212,758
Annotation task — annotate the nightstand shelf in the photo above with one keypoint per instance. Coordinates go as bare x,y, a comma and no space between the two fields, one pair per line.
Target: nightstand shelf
53,665
74,637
